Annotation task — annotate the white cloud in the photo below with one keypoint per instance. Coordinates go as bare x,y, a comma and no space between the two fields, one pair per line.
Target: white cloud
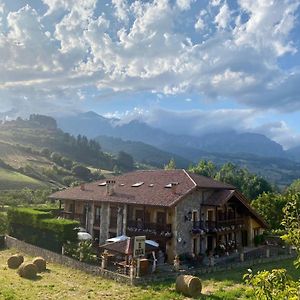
223,17
184,4
280,132
199,25
136,46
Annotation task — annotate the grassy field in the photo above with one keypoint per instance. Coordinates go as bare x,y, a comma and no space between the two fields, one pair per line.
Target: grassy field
10,180
64,283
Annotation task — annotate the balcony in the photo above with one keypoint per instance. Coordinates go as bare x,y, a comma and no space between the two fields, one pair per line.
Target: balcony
217,226
150,230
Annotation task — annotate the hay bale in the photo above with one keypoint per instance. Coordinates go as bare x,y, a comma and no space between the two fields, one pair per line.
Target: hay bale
40,263
188,285
28,270
15,261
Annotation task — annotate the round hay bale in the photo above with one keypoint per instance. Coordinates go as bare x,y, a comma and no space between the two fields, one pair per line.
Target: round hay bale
15,261
27,270
40,263
189,285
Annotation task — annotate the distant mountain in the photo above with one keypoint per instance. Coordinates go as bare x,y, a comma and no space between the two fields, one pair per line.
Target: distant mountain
92,125
141,152
294,153
254,151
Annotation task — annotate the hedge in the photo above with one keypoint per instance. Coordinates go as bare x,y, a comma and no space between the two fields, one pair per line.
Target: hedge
26,216
63,228
40,228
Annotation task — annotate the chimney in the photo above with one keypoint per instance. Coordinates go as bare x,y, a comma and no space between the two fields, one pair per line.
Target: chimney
110,187
174,187
82,187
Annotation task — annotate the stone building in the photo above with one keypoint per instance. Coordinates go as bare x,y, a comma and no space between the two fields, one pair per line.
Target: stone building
182,211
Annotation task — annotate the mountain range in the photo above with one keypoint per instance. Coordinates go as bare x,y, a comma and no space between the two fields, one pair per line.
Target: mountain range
155,146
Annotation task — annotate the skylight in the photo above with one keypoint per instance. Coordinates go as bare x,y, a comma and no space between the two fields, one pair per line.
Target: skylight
138,184
151,185
169,185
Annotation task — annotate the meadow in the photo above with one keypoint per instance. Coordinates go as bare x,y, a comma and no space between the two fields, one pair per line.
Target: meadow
60,282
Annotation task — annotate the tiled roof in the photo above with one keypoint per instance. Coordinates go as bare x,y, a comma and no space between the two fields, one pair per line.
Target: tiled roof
219,197
151,192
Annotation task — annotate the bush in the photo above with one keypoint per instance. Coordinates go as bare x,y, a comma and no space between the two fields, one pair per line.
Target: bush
41,229
26,216
62,228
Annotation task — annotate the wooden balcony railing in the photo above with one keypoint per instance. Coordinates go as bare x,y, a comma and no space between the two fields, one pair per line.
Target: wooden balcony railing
149,229
217,226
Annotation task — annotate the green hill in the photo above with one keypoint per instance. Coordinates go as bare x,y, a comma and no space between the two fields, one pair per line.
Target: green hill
141,152
34,153
11,180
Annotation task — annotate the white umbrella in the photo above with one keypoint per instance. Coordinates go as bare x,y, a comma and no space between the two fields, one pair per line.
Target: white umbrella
80,229
119,238
152,243
84,236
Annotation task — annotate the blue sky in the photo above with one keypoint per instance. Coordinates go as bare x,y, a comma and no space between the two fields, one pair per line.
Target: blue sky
185,66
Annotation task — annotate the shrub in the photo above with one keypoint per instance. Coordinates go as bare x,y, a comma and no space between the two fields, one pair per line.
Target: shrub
26,216
41,229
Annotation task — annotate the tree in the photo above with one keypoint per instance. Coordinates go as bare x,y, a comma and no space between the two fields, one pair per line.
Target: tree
125,161
205,168
277,284
294,187
171,165
56,157
81,172
270,207
67,163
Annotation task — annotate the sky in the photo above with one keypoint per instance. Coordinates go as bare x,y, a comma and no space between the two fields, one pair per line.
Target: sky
186,66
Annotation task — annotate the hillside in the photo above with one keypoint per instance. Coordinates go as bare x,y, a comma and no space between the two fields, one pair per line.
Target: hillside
141,152
254,151
35,153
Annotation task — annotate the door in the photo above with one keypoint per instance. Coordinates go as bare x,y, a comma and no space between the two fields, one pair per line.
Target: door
209,243
244,238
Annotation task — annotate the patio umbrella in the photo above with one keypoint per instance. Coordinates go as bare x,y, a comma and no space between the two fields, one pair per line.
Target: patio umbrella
152,243
119,238
84,236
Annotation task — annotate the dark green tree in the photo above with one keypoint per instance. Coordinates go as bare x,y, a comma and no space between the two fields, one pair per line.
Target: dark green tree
82,172
205,168
171,165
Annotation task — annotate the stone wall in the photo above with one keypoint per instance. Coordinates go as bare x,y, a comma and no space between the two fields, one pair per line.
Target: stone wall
53,257
182,230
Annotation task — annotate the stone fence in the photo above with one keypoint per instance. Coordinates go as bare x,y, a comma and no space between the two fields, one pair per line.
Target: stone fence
161,275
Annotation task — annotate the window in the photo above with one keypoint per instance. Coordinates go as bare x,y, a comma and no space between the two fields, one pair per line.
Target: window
210,215
161,218
113,217
194,246
195,216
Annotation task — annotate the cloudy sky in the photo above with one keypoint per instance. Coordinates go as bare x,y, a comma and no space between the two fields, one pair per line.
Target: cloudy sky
180,64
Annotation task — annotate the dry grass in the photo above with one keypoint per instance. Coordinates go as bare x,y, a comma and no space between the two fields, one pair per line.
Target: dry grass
60,282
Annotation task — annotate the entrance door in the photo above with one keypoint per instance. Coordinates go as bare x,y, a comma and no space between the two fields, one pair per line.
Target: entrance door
209,243
244,238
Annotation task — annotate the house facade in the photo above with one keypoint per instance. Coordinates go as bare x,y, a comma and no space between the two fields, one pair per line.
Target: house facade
184,212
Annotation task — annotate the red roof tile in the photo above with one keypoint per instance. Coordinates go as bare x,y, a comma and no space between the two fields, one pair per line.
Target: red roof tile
152,192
